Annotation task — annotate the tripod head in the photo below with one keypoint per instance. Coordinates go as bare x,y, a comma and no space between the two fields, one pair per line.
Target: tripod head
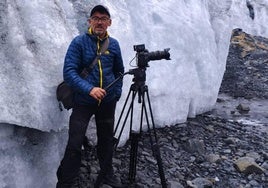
139,76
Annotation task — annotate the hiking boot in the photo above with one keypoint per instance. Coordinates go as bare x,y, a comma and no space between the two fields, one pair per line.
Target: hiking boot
113,181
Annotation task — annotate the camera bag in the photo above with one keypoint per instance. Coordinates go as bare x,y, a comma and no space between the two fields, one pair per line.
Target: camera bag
65,93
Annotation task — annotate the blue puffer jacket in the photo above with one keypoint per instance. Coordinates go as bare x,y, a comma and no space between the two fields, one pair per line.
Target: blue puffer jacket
81,53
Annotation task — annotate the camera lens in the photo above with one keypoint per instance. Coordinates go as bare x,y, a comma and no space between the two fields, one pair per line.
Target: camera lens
157,55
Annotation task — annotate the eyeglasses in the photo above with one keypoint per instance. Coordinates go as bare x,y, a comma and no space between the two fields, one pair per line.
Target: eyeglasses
101,19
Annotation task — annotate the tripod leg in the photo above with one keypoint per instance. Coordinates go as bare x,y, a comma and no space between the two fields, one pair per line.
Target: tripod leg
154,144
135,137
122,112
130,109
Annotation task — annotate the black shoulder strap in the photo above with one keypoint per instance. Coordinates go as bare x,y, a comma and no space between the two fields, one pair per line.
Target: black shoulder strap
104,47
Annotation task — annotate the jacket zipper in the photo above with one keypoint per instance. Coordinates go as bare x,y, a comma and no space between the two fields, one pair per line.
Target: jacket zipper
100,68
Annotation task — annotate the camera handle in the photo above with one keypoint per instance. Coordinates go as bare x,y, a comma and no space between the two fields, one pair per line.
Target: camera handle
142,90
116,80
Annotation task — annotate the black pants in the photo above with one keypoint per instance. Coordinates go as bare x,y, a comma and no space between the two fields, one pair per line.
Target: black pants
79,119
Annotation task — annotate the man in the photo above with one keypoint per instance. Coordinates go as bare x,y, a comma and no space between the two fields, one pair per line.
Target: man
90,97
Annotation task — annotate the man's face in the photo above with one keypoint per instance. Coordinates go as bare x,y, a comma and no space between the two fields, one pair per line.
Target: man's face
99,23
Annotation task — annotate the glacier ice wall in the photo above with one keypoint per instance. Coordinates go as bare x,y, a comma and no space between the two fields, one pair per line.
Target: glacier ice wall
35,36
34,39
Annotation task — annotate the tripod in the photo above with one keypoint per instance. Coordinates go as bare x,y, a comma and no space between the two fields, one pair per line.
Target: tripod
139,88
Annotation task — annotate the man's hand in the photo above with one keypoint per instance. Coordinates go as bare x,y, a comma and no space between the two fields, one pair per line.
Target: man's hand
97,93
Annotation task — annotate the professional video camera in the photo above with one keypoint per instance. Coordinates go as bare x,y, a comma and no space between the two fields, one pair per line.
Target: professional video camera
144,56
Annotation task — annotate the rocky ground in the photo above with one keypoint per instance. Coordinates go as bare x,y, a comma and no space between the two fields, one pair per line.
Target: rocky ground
214,149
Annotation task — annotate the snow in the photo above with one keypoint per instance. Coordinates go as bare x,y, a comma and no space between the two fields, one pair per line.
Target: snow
35,36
